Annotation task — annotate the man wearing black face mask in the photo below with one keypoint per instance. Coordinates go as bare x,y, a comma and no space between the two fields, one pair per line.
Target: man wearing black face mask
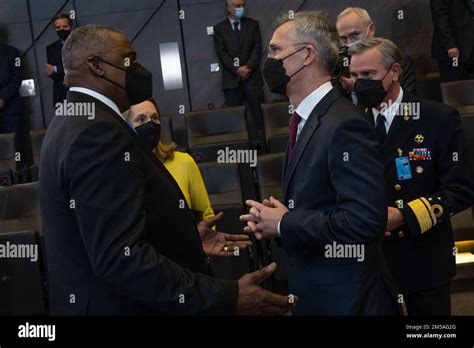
427,177
333,181
120,239
54,68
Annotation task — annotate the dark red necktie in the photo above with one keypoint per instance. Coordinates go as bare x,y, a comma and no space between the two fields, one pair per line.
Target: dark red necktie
293,128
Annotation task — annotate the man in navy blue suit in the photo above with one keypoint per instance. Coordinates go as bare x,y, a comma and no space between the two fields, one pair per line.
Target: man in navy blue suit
334,215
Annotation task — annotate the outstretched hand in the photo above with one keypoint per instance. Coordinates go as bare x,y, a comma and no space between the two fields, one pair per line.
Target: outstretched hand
219,244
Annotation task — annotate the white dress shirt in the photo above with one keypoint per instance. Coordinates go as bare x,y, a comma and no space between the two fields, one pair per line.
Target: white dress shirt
107,101
232,23
308,104
390,112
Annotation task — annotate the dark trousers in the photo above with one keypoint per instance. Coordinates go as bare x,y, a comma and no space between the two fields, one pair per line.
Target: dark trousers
435,301
464,71
253,95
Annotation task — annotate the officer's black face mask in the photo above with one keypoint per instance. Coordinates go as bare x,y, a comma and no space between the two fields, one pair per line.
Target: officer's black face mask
274,74
370,93
63,34
138,82
150,134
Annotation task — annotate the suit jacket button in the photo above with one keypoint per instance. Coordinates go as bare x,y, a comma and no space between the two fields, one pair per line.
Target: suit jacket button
398,187
401,234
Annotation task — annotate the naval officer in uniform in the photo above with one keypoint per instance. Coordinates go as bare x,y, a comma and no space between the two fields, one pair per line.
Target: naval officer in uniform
427,174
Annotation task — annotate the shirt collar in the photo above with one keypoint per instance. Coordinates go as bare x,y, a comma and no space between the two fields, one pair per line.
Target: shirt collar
107,101
233,20
391,111
308,104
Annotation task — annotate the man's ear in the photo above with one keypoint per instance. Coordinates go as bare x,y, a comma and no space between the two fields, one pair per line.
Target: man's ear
311,55
397,72
371,29
93,64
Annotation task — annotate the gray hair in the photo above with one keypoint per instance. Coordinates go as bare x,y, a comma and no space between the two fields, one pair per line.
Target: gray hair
86,41
315,27
390,52
362,13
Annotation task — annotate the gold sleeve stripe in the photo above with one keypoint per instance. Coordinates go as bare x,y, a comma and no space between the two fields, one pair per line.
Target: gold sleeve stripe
430,209
422,210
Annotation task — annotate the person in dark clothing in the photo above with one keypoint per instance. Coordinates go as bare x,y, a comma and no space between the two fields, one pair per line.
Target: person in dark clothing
10,81
427,174
120,238
453,38
54,68
238,44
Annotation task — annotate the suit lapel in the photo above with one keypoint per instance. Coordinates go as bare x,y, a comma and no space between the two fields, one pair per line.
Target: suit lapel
312,123
244,31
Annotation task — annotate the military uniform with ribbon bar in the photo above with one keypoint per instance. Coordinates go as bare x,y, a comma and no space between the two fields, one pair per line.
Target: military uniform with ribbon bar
428,178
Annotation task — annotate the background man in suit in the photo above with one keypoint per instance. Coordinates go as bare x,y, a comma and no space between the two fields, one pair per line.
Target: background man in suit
118,238
427,177
354,24
238,45
54,68
453,38
10,81
333,181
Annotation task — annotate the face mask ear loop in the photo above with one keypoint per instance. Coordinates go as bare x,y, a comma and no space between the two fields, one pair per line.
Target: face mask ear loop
304,66
386,76
288,56
105,78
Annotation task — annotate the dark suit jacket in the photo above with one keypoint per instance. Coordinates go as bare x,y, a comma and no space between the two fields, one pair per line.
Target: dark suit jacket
10,81
420,261
453,27
54,56
123,245
334,182
249,51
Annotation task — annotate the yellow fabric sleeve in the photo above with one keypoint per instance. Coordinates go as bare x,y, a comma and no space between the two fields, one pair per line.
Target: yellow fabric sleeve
185,171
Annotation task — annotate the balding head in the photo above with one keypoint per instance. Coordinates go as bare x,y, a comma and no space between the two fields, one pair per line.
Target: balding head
84,55
353,25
